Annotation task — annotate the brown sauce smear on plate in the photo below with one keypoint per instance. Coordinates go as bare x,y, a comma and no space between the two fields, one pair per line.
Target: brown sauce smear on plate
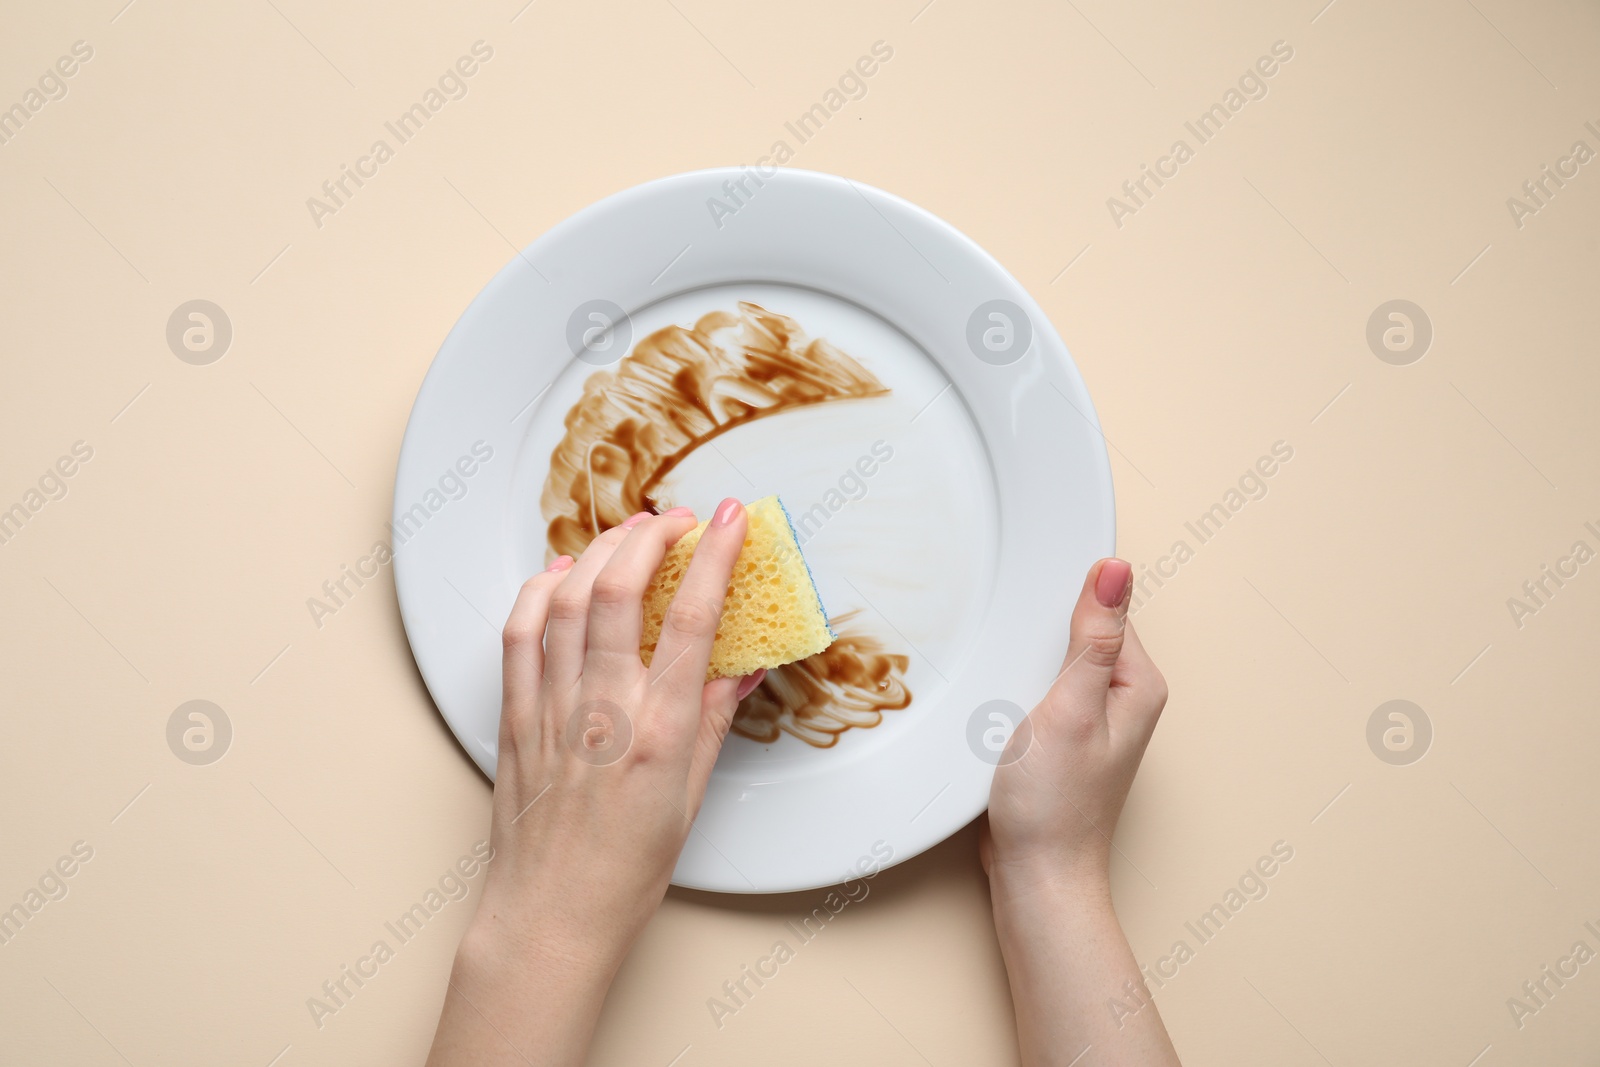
677,390
851,683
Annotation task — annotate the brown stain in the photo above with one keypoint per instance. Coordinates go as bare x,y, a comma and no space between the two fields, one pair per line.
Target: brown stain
677,390
849,684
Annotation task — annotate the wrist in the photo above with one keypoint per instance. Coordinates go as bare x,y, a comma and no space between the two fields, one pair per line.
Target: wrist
1034,914
536,994
514,950
1057,884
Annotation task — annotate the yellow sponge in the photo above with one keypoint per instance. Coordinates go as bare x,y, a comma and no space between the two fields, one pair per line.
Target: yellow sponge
772,614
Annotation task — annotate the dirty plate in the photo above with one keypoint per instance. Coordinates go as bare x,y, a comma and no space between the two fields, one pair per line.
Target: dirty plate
737,333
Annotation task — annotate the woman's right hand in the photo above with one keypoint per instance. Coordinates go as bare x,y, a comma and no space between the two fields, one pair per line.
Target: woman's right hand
1052,809
1047,844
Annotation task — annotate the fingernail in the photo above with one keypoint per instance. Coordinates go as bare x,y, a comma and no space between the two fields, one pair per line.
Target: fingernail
747,685
681,512
1116,578
634,520
726,511
560,563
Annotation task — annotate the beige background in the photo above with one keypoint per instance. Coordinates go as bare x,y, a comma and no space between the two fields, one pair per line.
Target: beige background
1227,314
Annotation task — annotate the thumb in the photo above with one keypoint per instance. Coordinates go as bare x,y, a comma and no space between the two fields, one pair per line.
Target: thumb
1099,622
719,701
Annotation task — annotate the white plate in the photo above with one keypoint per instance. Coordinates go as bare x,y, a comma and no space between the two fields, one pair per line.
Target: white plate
962,549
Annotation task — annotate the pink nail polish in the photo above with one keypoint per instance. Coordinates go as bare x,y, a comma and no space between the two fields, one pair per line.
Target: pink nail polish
1116,578
634,520
560,563
684,513
726,511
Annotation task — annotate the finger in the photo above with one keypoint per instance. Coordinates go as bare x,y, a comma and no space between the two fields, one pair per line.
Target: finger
616,601
748,683
1138,690
522,664
1135,664
719,700
1098,625
690,626
566,637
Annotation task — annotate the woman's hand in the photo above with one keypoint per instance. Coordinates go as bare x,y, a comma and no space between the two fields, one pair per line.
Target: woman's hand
602,766
1047,843
1052,809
